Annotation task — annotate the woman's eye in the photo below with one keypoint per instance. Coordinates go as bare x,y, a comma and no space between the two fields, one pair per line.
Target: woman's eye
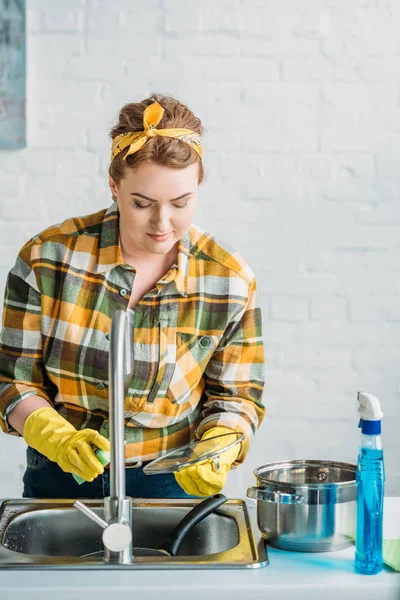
138,205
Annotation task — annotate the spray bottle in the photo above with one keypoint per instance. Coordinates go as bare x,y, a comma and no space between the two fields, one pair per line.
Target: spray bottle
370,479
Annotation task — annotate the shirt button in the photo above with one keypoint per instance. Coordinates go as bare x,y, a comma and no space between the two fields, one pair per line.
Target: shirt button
101,386
108,336
123,292
205,342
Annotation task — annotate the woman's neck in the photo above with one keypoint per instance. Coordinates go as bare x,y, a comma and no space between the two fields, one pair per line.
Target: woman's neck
142,258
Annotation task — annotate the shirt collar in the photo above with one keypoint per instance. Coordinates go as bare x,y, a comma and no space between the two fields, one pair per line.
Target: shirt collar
110,254
184,247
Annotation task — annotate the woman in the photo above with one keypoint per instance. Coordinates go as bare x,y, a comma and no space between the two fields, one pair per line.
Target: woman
198,353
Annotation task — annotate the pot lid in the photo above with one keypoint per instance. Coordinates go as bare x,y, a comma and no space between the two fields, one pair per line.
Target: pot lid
194,453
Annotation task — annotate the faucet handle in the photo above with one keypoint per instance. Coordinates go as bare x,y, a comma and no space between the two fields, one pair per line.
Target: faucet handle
116,536
90,513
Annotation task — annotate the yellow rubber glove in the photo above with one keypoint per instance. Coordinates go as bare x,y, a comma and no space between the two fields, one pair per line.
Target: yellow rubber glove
202,479
52,435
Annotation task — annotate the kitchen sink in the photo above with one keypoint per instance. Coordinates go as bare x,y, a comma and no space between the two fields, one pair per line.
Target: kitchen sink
53,534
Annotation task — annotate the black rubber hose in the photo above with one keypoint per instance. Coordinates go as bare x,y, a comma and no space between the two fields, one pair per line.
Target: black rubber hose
172,542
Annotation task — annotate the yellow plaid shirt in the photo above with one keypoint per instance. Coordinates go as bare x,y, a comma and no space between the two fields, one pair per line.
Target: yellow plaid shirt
198,350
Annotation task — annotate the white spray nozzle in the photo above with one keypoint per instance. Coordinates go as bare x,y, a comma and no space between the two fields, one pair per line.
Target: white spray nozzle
369,407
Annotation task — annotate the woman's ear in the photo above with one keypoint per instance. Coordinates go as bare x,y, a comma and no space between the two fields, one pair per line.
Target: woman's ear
113,188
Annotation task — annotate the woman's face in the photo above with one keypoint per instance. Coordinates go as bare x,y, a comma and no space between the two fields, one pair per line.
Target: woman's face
156,206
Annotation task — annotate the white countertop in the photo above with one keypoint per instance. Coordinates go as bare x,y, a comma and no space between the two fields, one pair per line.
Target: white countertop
294,575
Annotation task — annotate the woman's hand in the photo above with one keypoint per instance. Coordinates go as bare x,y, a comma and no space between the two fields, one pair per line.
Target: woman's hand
74,451
202,479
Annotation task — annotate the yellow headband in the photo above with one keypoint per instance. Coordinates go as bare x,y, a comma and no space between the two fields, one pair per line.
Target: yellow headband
151,117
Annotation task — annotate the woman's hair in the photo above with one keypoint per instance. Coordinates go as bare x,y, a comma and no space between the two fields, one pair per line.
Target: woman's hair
168,152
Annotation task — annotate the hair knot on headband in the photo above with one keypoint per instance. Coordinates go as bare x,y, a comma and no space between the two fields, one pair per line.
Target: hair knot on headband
151,131
151,118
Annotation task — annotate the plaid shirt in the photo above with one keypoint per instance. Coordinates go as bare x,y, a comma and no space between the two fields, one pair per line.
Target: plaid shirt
198,351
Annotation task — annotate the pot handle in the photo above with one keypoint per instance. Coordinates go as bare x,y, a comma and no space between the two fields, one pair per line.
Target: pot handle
275,497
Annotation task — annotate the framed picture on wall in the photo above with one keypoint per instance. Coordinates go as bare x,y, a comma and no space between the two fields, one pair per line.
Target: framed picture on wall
12,74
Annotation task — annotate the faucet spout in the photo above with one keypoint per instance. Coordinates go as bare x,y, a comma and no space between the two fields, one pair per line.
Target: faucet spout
117,534
118,507
117,397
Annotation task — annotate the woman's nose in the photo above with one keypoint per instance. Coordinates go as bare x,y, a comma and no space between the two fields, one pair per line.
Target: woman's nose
161,220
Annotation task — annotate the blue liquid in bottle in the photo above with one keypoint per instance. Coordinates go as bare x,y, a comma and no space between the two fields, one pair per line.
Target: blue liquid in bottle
370,479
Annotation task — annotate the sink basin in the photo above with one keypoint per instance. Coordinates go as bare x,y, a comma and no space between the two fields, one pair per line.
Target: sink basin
64,532
54,534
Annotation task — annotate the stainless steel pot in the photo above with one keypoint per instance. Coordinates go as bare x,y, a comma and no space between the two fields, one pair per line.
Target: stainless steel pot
306,505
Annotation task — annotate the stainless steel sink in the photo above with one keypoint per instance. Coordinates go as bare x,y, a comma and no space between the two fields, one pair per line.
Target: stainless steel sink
54,534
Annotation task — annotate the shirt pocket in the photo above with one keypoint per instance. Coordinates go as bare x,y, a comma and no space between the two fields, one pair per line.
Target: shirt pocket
193,353
166,362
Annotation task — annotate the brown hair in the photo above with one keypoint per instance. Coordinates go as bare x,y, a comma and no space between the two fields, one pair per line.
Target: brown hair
168,152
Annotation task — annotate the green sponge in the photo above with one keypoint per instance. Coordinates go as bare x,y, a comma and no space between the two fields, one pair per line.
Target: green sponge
391,553
104,458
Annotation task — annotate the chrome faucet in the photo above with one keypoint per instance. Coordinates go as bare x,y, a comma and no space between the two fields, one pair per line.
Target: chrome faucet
117,534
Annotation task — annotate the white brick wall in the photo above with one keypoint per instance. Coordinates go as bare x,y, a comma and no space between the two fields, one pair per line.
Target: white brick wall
302,106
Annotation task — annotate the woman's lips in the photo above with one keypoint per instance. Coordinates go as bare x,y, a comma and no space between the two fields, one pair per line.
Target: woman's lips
159,238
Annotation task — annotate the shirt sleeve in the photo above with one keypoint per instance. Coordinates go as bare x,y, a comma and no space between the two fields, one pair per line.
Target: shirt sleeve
22,372
235,376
